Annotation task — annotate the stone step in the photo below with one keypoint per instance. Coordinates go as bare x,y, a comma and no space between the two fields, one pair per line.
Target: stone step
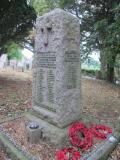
104,149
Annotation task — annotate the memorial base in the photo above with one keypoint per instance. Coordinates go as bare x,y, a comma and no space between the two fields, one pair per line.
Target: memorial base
47,132
15,144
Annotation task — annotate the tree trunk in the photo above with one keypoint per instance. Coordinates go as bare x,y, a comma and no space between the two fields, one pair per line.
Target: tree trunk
110,70
103,69
110,73
107,67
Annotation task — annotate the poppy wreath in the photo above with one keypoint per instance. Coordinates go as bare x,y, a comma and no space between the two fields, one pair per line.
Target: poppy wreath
84,143
73,131
101,135
62,155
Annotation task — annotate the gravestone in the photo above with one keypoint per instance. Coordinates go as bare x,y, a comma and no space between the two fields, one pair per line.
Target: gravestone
56,73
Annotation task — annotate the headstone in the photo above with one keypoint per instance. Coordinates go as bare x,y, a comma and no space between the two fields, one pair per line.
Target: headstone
56,69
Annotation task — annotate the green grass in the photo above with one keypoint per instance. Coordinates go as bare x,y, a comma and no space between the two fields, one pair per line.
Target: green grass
90,67
90,70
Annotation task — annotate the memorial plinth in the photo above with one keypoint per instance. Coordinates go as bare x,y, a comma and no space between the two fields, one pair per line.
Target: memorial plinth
56,73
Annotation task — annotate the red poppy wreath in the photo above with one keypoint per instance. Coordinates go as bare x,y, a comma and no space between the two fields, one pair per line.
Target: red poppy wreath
62,155
74,131
101,131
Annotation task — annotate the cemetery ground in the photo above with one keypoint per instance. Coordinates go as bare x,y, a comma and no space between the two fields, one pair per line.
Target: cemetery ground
101,100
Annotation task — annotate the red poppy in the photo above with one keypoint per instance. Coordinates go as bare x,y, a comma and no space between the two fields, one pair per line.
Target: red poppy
62,154
101,135
73,132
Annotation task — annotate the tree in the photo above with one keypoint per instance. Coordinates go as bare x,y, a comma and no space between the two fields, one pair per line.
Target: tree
107,29
17,17
14,51
100,29
43,6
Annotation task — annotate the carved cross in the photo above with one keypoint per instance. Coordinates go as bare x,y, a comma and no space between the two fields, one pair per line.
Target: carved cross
46,31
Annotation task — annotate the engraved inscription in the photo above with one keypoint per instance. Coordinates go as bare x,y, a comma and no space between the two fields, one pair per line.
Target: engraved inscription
40,87
71,56
45,65
71,63
50,83
46,60
71,80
